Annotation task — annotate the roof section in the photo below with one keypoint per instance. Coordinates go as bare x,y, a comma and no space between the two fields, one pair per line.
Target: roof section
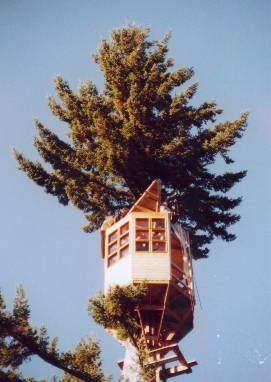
150,200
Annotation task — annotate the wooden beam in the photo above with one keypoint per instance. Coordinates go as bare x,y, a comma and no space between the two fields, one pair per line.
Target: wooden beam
166,348
151,195
141,208
177,370
188,278
170,336
181,358
155,190
162,361
163,313
141,324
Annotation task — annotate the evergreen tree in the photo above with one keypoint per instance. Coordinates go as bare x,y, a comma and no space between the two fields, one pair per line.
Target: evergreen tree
115,311
141,127
19,341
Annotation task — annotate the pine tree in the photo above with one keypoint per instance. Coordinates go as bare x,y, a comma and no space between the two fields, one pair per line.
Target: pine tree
142,126
19,341
115,311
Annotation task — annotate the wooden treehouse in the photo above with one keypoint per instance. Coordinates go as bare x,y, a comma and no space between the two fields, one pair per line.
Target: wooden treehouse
144,245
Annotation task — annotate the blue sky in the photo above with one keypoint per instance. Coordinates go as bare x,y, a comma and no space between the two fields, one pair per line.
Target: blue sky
42,247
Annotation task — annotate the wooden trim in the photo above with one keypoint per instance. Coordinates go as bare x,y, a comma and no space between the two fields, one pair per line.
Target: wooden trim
143,209
177,370
163,313
155,186
151,195
141,324
180,270
161,361
103,243
137,281
166,348
116,228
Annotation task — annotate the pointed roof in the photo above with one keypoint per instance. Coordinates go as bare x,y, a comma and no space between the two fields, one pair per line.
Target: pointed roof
150,200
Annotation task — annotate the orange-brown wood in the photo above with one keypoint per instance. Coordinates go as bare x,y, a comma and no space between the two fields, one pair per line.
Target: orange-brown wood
150,200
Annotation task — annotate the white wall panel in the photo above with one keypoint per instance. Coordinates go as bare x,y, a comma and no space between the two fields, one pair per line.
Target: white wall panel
119,273
151,267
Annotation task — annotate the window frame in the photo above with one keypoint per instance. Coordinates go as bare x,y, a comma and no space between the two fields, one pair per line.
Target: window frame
151,229
120,234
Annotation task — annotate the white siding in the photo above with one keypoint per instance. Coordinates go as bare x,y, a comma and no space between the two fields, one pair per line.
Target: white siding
119,273
151,267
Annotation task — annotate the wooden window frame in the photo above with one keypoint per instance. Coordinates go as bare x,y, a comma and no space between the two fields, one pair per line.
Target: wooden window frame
150,229
117,241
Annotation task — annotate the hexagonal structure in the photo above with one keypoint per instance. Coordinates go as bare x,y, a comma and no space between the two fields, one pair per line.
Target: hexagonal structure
143,245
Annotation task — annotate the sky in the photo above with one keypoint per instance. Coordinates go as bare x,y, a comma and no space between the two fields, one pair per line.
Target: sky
42,247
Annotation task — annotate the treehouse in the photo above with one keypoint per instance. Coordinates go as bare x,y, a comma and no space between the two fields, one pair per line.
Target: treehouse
143,245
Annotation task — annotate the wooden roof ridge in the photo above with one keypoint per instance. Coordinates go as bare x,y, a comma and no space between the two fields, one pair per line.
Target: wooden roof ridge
150,200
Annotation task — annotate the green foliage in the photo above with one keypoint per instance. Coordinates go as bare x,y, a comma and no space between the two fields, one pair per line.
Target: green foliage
19,341
21,311
141,127
115,311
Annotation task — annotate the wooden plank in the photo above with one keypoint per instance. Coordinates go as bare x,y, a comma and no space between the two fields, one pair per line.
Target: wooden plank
182,272
166,348
162,361
170,336
177,370
181,358
155,190
103,243
151,195
141,324
163,313
141,208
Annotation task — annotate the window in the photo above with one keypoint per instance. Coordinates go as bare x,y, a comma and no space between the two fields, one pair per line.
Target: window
142,246
124,251
124,228
158,247
124,239
142,235
142,223
112,248
112,260
113,236
118,244
158,235
151,235
158,223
